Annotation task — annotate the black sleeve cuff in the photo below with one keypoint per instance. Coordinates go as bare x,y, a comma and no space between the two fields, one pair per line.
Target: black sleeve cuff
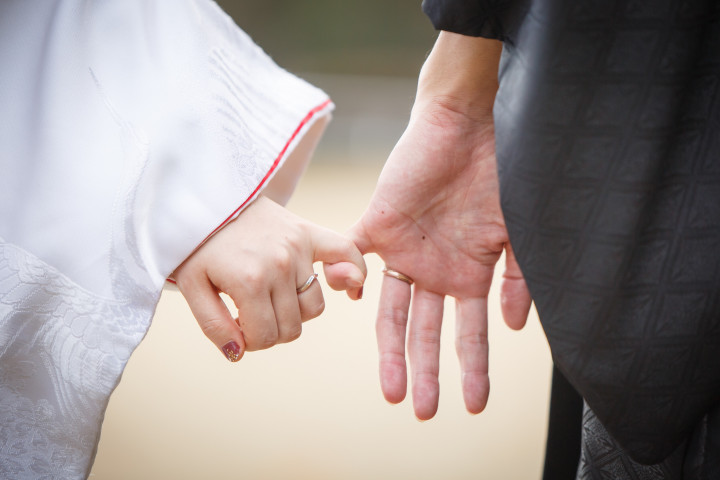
476,18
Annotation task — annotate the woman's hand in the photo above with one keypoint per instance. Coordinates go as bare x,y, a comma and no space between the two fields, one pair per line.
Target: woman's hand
260,260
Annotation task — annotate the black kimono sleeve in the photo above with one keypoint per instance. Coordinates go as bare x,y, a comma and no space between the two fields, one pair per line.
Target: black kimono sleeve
494,19
608,152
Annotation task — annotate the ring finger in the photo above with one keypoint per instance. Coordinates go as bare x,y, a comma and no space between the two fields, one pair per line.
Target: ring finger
310,297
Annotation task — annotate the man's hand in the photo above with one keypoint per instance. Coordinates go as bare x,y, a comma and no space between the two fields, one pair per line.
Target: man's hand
435,216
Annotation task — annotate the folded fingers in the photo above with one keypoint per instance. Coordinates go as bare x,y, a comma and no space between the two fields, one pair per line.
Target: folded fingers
212,315
274,314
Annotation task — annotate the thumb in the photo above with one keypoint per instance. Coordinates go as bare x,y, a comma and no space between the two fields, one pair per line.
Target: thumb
345,267
358,234
515,297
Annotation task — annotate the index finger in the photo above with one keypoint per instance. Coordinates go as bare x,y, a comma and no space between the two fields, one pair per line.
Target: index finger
390,328
213,316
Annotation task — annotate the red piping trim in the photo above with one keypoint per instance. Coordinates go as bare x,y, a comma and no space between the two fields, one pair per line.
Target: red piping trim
274,166
304,122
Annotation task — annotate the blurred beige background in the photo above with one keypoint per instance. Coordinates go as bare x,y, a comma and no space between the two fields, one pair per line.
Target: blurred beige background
313,409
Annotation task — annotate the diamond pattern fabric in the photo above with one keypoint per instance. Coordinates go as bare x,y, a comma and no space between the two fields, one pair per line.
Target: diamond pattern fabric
608,145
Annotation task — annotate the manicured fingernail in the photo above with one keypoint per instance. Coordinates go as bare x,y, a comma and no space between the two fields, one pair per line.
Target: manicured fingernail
232,351
360,293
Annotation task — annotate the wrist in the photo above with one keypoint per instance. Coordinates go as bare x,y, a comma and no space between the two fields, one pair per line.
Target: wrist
460,75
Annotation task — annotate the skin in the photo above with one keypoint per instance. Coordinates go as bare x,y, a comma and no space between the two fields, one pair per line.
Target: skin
260,263
435,216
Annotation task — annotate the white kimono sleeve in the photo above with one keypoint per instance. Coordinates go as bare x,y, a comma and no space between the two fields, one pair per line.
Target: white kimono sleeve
130,130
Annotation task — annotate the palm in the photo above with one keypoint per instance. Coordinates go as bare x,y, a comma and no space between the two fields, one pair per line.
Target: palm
435,216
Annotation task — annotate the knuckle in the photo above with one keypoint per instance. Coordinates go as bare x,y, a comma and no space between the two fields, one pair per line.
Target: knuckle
426,336
259,334
249,284
426,381
477,373
253,278
471,341
396,359
393,315
212,327
283,260
266,340
292,333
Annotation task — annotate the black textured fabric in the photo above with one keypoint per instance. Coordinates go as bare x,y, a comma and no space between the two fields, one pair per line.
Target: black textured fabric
608,146
702,461
696,459
602,458
562,451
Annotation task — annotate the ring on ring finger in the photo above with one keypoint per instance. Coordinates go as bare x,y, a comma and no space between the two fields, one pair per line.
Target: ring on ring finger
395,274
307,283
311,301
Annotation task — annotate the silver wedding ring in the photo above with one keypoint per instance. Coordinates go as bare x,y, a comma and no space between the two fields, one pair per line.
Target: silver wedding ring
398,275
307,283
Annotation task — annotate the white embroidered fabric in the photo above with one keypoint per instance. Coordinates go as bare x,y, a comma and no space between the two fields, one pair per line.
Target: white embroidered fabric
130,130
62,350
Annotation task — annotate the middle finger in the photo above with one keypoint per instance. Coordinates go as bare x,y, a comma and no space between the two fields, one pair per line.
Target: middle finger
256,319
424,351
287,311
